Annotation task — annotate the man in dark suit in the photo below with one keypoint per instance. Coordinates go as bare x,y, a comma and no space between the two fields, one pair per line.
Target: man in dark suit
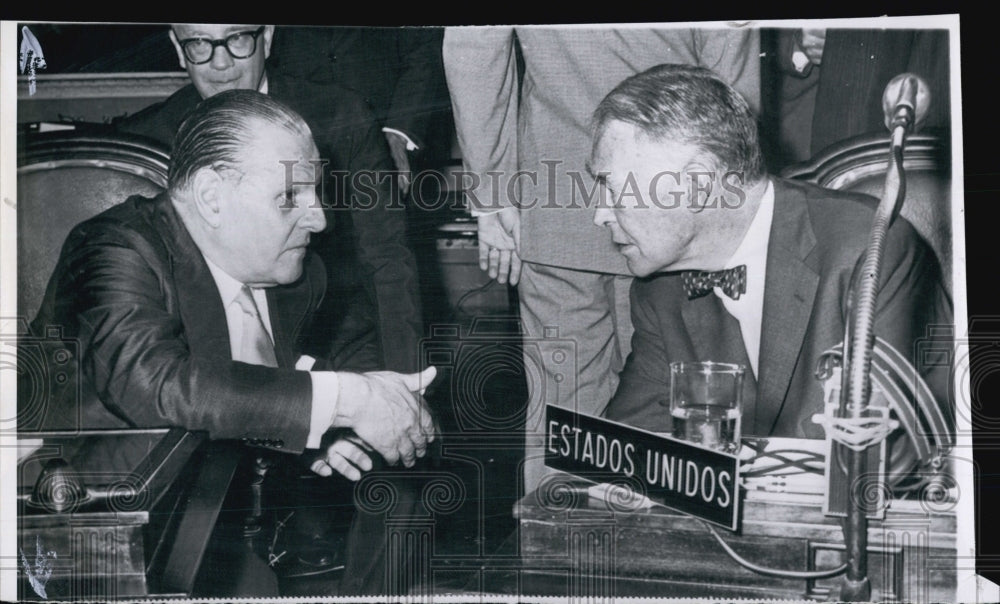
365,249
397,71
192,309
677,150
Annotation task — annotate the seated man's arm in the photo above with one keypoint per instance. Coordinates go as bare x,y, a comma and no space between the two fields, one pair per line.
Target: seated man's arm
643,394
344,333
114,297
134,349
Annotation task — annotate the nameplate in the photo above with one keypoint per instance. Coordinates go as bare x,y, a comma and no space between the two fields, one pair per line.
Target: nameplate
686,477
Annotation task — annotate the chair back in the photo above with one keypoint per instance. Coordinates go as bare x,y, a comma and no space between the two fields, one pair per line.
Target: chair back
64,178
860,164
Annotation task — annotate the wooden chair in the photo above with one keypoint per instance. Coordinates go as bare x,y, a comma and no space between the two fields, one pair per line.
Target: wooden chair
860,163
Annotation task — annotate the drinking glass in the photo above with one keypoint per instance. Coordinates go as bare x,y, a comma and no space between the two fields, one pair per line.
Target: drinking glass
706,403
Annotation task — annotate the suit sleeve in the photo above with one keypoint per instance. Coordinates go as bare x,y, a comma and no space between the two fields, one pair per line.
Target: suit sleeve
481,69
420,93
644,385
134,352
379,223
734,54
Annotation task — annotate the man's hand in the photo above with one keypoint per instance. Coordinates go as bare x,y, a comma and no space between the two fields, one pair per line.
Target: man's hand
387,412
347,455
811,42
499,245
397,148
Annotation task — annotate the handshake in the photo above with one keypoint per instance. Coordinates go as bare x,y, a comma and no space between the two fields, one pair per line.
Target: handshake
388,415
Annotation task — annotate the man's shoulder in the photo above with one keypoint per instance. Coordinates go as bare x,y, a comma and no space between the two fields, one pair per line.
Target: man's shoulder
823,202
841,221
131,222
161,120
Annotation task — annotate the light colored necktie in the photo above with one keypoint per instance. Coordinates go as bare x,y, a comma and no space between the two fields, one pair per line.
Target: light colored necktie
256,346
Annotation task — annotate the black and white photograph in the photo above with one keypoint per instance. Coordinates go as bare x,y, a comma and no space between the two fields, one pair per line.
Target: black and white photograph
501,313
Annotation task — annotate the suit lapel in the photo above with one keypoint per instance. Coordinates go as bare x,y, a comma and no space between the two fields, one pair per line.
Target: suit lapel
288,306
705,320
198,298
789,292
200,302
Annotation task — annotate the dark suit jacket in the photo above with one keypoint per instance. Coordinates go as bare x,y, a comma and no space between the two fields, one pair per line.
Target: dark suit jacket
144,321
382,327
140,312
816,244
398,72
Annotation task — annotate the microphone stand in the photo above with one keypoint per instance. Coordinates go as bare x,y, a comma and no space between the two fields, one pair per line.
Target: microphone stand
860,340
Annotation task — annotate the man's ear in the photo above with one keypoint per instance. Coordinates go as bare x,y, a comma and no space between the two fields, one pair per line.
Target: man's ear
177,47
703,161
208,189
268,35
702,181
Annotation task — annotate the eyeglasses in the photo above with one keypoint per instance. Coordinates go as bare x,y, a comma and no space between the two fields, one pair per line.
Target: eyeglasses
240,45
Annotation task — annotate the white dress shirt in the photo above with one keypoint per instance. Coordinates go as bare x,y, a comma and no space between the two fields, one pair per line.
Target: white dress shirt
324,406
752,251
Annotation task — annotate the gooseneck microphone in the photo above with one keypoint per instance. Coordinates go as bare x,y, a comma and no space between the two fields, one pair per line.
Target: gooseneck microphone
905,102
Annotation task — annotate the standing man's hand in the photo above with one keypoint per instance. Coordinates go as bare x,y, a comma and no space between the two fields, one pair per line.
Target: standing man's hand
812,41
500,243
400,157
806,49
388,413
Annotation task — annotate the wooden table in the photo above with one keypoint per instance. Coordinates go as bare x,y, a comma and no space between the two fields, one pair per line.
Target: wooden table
571,544
154,498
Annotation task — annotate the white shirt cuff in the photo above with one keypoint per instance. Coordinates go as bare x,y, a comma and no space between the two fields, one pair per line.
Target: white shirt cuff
410,145
477,213
325,389
800,61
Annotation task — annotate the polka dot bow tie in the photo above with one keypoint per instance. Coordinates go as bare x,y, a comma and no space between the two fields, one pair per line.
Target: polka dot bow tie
732,281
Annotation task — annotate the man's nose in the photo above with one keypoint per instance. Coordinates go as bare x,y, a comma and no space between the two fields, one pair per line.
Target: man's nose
603,216
314,219
221,59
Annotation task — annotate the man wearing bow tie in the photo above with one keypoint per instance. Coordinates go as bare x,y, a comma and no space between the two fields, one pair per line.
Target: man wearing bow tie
735,265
